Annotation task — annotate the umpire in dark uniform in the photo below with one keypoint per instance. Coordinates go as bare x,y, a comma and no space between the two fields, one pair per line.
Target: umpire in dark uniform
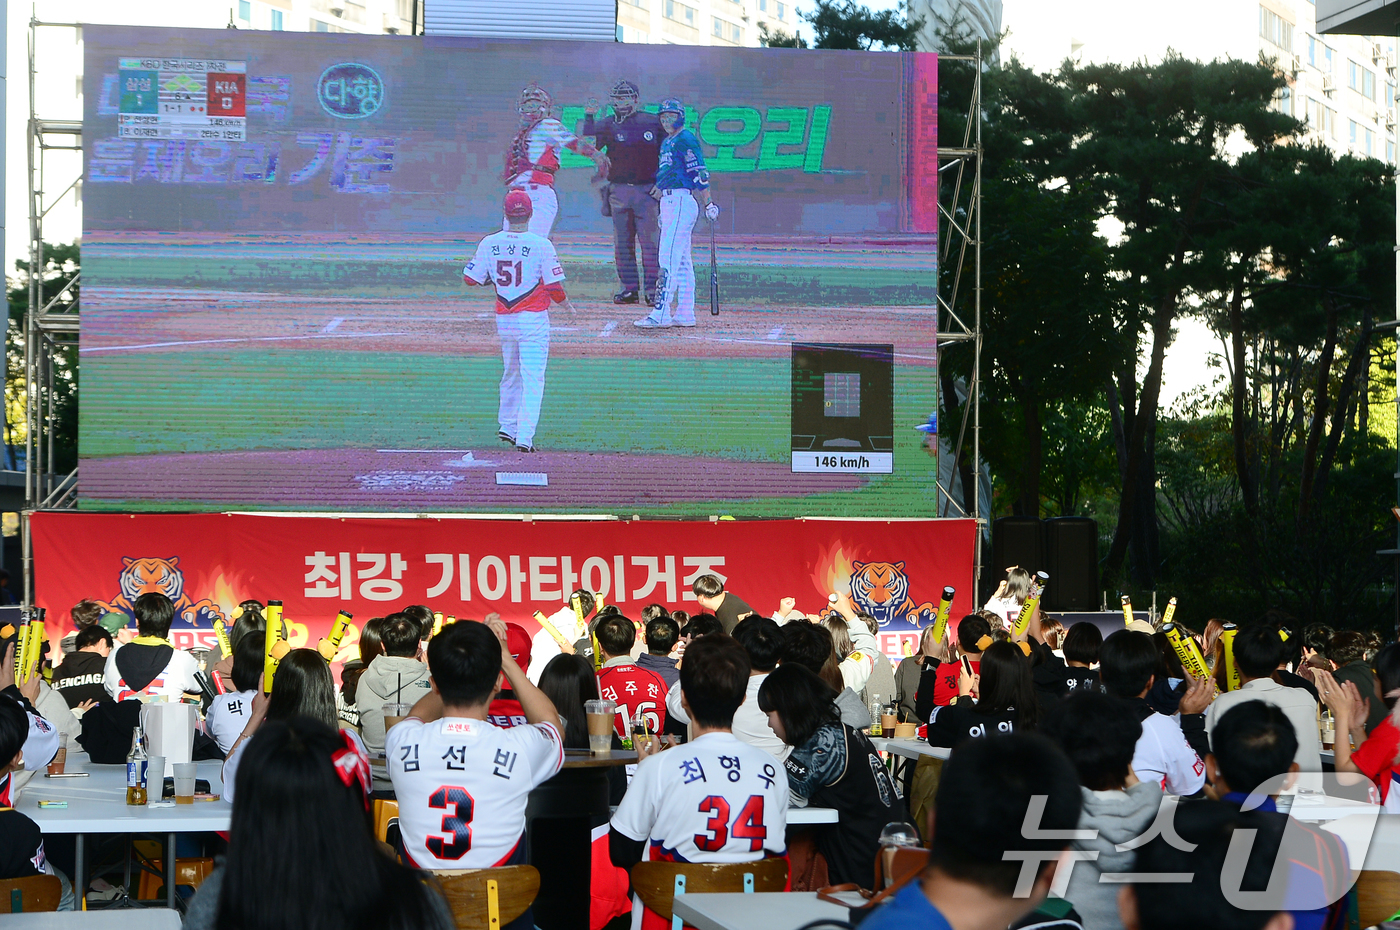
632,138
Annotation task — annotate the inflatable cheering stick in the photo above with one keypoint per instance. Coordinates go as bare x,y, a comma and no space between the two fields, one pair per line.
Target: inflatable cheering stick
331,644
940,620
1023,620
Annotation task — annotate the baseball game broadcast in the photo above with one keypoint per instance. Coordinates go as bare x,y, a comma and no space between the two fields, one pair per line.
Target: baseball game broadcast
359,273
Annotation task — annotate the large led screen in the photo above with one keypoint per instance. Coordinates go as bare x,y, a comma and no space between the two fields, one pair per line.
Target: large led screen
275,315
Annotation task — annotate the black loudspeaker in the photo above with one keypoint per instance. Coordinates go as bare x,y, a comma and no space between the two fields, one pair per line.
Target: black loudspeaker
1072,562
1016,541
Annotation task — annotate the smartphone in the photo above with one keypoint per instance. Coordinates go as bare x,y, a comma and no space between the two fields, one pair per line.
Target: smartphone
967,665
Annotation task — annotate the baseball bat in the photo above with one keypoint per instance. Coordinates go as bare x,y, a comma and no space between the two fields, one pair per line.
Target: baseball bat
714,275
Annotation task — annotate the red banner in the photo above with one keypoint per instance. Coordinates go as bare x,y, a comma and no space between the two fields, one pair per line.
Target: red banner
208,563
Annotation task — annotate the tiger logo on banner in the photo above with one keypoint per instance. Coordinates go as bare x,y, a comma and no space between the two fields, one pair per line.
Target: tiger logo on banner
144,576
881,589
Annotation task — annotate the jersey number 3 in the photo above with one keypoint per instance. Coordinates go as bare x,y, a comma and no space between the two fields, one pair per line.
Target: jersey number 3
457,822
747,826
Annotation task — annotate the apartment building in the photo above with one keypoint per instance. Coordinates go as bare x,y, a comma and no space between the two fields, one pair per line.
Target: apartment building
373,17
702,22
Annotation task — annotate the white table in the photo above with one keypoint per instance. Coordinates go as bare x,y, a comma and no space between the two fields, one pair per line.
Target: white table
810,815
1318,808
759,911
97,804
910,748
117,919
1372,841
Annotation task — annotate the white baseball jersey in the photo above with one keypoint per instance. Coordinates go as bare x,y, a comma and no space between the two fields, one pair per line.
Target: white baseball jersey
462,786
1163,755
543,648
521,265
714,799
177,678
227,716
543,143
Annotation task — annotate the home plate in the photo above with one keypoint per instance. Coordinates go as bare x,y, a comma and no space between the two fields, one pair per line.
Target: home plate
537,479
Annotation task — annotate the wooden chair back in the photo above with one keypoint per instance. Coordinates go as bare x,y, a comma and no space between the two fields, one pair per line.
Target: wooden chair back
903,860
655,882
488,899
1377,896
30,894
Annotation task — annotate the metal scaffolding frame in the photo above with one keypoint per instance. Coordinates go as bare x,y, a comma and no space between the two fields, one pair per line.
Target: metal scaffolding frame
960,308
50,320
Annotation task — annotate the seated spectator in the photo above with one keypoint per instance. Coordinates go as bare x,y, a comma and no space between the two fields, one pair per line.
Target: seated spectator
85,614
1377,755
447,761
21,840
1208,829
1347,650
1081,648
714,799
907,674
681,617
1099,734
1287,674
1127,664
856,663
810,645
301,687
568,681
881,680
41,743
396,677
149,666
230,712
831,765
1258,654
725,605
983,871
570,628
635,690
351,671
423,616
662,634
505,710
677,723
1253,760
1000,698
939,687
1169,682
651,611
81,676
762,640
303,793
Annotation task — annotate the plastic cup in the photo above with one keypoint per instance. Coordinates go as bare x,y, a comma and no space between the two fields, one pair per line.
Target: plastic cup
184,782
600,726
888,722
61,758
393,713
155,778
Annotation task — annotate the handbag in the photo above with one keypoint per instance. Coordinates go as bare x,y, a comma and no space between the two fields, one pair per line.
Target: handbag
873,900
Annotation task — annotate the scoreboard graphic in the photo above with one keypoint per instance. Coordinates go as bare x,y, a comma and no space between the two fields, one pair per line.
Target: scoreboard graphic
182,98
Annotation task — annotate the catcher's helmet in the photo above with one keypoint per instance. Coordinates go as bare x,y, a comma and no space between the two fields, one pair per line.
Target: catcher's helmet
672,105
518,205
535,101
625,88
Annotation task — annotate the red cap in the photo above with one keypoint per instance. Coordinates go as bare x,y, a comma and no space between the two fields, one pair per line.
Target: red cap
518,642
518,204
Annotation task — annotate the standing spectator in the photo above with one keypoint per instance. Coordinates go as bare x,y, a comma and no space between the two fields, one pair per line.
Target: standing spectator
230,712
682,802
974,876
631,138
303,797
396,677
999,698
82,675
662,634
568,625
150,666
1010,595
450,766
1099,734
832,765
1258,654
85,613
635,690
762,640
1347,650
725,605
1128,662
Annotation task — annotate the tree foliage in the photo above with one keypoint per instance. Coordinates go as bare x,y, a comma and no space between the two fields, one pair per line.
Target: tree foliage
845,24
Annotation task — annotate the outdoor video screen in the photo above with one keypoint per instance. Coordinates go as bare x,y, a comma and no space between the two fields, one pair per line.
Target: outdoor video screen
275,315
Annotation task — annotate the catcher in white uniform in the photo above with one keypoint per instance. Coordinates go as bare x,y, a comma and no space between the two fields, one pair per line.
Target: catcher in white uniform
533,157
526,272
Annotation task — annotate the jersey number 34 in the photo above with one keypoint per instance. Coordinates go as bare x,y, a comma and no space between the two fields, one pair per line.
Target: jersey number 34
747,826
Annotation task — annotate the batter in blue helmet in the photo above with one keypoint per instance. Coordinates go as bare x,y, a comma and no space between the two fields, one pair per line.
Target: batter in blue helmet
681,176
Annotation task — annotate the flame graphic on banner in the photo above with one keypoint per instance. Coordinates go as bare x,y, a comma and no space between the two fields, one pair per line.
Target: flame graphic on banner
833,568
224,591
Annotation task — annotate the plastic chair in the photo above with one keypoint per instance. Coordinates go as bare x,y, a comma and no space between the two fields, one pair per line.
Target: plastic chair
487,899
386,814
658,883
191,872
1377,896
30,894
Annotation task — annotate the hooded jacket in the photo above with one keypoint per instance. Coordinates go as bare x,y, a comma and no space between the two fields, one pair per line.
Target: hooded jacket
388,680
1118,816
